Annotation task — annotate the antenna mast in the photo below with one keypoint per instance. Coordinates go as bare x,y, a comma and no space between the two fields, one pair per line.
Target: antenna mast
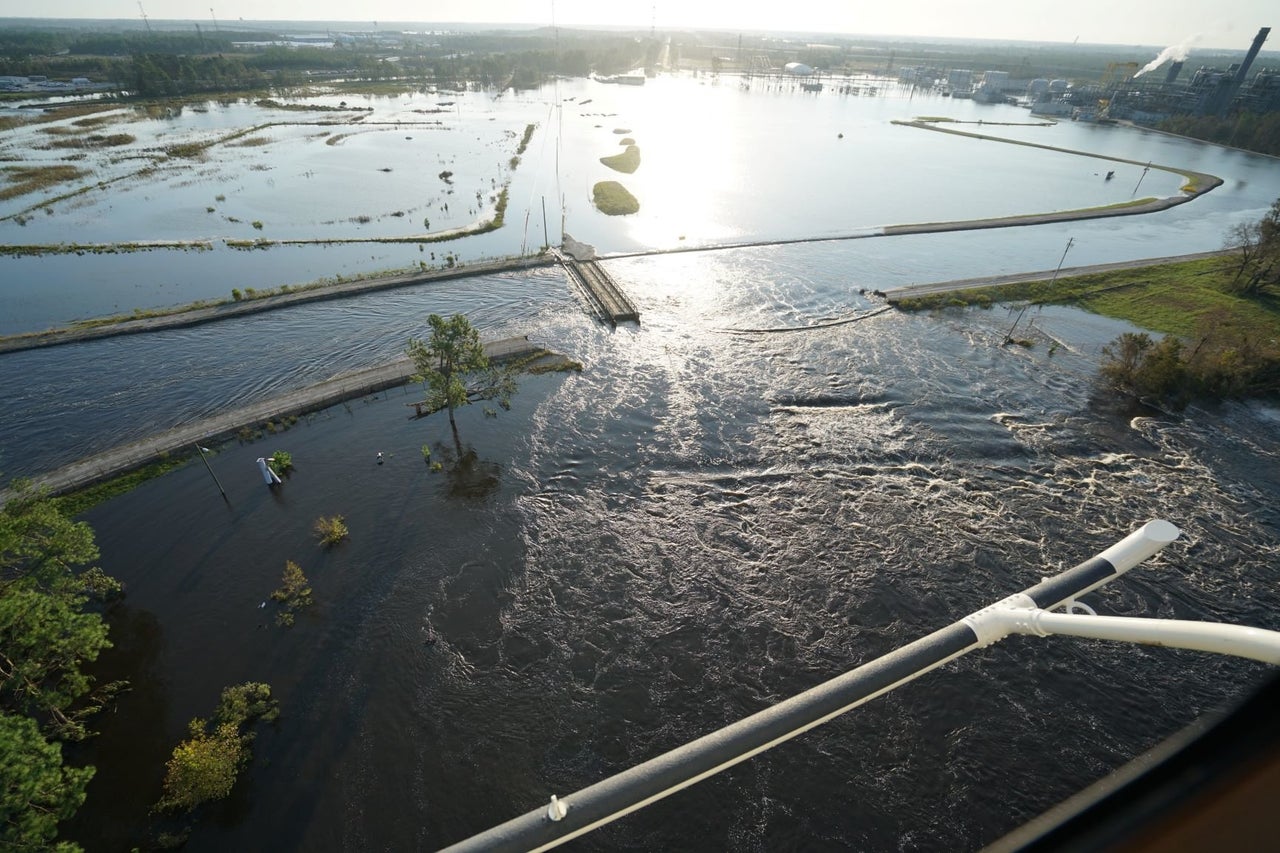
215,19
144,16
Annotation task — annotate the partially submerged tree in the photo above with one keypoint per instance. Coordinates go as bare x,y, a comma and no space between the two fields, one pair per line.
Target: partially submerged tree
1258,248
205,766
1145,367
453,365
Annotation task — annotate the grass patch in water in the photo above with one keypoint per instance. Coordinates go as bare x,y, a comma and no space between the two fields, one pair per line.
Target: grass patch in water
19,251
57,113
82,500
628,161
613,199
29,179
524,140
187,150
268,103
95,140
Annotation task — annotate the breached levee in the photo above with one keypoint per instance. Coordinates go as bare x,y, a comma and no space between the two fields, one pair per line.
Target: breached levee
135,454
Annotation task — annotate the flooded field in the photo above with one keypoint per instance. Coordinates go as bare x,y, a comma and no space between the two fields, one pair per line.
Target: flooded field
704,520
297,189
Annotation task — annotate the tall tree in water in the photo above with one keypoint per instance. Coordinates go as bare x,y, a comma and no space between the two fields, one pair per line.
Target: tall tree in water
453,365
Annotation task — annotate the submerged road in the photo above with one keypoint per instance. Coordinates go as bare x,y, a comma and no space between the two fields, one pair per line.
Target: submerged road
199,314
345,386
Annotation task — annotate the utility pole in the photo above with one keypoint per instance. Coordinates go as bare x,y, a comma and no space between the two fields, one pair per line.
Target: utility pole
546,237
1145,169
1008,338
201,450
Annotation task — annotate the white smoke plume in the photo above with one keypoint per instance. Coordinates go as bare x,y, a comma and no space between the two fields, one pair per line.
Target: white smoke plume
1173,53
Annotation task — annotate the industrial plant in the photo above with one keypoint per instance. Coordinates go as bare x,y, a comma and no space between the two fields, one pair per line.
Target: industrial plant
1150,94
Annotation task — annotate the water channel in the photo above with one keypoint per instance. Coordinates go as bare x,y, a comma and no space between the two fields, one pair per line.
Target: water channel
702,521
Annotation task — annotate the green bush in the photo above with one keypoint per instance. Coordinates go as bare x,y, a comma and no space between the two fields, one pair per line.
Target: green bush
203,767
280,461
294,592
330,530
1146,367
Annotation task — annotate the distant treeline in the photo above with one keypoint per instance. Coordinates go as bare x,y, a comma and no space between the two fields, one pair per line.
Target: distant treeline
168,63
1250,131
28,44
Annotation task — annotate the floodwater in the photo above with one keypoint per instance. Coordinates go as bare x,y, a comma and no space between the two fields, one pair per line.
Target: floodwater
719,164
705,520
701,522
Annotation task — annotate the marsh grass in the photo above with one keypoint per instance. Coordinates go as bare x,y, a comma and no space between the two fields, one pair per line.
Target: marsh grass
29,179
95,140
613,199
628,161
268,103
82,500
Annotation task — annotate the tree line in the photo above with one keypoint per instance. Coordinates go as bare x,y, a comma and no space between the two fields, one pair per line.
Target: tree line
1258,132
1218,360
51,627
163,64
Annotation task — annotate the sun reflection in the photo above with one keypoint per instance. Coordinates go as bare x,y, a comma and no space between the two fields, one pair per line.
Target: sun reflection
690,165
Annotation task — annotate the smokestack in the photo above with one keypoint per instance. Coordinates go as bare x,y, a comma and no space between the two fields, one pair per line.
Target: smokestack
1175,68
1244,69
1252,54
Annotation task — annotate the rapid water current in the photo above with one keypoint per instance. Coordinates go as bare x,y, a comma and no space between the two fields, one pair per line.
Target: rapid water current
708,518
703,521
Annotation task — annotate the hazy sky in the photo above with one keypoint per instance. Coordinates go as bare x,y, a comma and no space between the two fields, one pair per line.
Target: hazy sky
1211,23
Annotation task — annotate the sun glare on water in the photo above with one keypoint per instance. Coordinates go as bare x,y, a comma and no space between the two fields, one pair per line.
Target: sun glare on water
690,163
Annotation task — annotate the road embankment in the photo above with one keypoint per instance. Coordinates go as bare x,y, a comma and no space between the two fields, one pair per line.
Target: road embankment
181,439
913,291
183,317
